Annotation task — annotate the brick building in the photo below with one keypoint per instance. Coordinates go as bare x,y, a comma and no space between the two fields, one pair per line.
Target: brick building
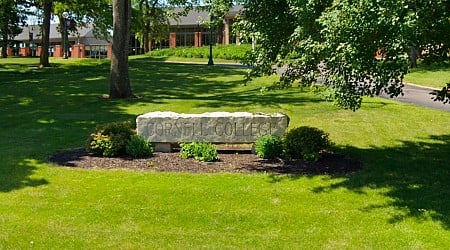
82,43
188,30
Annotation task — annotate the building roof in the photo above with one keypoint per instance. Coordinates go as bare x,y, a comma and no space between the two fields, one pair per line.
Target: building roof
55,34
195,17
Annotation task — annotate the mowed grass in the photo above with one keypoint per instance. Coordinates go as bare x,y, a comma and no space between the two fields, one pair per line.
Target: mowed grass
398,201
434,76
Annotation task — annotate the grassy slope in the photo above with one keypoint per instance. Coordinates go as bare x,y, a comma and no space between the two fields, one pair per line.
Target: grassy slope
434,76
400,200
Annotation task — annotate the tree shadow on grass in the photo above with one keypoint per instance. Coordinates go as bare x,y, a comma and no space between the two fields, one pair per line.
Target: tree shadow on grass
46,110
416,175
18,176
211,87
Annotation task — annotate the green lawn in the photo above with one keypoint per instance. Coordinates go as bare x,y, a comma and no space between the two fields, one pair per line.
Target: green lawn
435,76
400,200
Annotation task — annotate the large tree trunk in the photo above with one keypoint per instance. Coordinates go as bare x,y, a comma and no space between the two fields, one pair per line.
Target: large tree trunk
4,29
413,53
145,39
64,36
47,11
120,82
4,44
146,32
143,11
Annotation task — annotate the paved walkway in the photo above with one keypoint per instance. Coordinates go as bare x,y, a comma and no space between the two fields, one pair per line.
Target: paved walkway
419,96
413,94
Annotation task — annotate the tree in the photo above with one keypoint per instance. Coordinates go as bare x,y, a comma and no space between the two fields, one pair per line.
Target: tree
82,12
12,16
47,6
334,40
151,20
429,30
269,23
442,95
120,82
353,33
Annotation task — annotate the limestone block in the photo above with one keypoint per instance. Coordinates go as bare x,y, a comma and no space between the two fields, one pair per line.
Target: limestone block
215,127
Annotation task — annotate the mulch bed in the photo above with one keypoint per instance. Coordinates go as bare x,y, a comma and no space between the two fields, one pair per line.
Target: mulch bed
229,161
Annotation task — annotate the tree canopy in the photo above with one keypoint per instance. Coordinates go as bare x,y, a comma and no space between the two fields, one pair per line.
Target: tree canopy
81,12
358,47
12,17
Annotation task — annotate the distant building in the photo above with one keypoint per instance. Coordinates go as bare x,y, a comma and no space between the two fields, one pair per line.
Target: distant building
187,30
29,41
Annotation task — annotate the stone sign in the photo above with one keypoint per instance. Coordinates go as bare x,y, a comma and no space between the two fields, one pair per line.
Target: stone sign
215,127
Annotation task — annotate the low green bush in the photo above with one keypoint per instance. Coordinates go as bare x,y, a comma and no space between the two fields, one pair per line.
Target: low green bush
201,151
227,52
110,139
269,147
139,147
305,143
100,144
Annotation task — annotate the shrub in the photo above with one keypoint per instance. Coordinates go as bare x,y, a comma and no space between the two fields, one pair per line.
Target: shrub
100,144
230,52
110,139
139,147
201,151
269,147
305,143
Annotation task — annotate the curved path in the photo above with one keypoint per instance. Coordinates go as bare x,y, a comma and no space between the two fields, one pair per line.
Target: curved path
420,96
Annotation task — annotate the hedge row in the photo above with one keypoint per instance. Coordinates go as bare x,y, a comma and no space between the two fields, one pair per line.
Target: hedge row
227,52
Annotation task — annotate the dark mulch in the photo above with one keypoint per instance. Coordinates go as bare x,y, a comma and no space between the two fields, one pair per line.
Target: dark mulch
232,162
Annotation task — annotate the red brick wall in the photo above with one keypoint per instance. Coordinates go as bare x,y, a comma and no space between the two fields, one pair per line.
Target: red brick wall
78,51
24,51
9,51
198,39
58,51
173,40
109,52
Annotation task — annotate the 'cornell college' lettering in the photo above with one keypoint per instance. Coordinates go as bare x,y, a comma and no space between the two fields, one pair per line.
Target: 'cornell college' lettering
217,127
201,129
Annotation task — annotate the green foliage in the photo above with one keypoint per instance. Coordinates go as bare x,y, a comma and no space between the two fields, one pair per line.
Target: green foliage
84,12
305,143
150,20
227,52
100,144
12,17
269,147
442,95
139,147
337,41
201,151
110,139
430,29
